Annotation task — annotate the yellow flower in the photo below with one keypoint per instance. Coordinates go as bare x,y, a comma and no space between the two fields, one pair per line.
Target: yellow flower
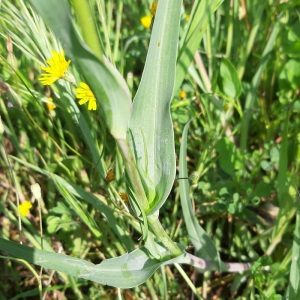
187,17
182,94
24,208
146,21
153,8
84,94
49,105
56,69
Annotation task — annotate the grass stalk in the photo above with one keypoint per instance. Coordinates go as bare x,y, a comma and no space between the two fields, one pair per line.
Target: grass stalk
87,25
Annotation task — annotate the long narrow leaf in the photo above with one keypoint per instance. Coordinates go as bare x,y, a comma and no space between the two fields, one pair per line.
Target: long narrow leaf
204,246
126,271
294,286
151,125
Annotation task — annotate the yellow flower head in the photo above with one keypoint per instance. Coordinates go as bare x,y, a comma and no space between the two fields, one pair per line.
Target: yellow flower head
153,8
56,69
146,21
182,94
84,94
187,17
49,105
24,208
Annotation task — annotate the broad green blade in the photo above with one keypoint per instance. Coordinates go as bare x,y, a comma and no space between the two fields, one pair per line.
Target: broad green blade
151,129
204,246
125,271
228,82
109,87
190,41
294,286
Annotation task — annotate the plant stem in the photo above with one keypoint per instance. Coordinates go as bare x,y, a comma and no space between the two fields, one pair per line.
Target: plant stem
87,25
188,281
133,174
230,30
141,197
160,233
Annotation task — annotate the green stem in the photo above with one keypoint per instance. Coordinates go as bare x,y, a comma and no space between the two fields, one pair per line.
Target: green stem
230,30
118,30
133,174
141,197
209,50
104,19
160,233
87,25
250,43
188,281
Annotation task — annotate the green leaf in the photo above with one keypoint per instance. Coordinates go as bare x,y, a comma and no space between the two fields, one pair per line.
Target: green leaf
229,83
294,286
291,40
204,246
229,159
152,137
289,76
107,84
126,271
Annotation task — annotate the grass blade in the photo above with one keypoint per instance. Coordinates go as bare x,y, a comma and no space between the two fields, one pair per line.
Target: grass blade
294,286
204,246
255,83
190,41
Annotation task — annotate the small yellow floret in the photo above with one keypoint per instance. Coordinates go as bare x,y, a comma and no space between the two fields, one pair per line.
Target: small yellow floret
182,94
49,105
24,208
56,69
146,21
84,94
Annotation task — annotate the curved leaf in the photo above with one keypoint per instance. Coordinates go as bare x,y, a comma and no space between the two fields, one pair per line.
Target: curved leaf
204,246
294,286
229,83
152,136
126,271
105,81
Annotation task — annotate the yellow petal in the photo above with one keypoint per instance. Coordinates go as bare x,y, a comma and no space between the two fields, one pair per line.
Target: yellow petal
146,21
24,208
